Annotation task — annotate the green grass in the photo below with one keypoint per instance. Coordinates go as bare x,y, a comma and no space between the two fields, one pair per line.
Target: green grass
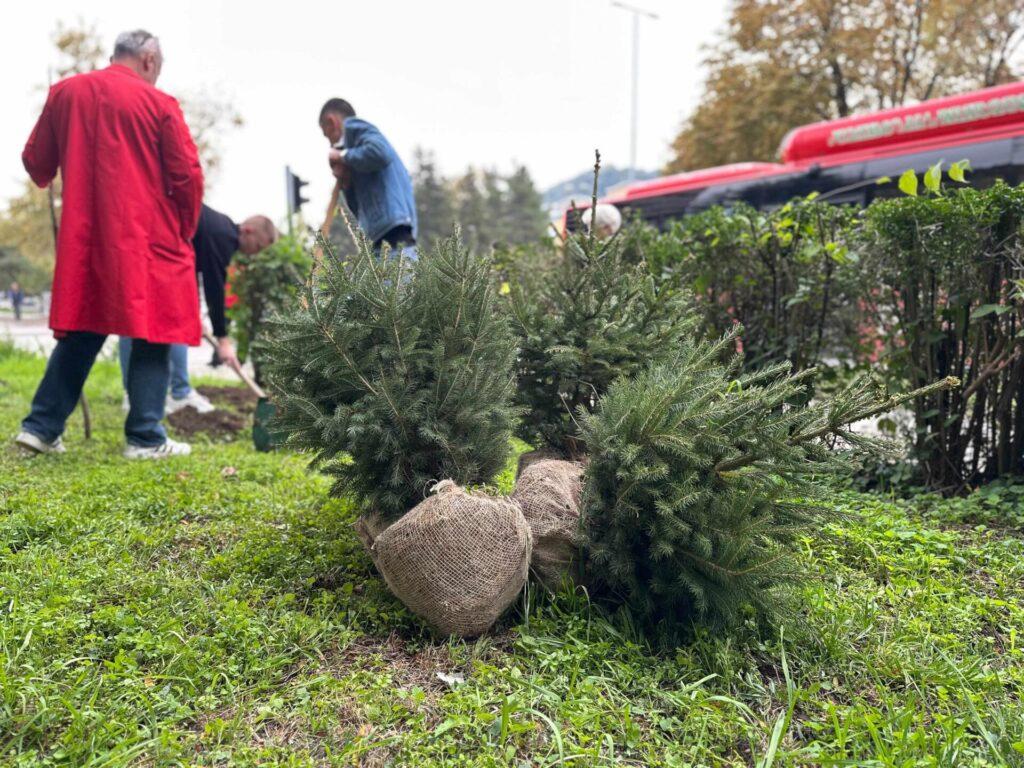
184,613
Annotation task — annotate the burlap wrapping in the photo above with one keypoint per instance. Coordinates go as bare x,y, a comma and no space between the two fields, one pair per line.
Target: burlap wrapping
549,491
528,458
457,559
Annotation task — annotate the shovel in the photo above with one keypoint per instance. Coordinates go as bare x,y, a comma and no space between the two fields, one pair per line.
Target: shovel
262,436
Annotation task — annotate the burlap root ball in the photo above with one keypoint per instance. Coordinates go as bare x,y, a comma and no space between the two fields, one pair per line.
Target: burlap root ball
456,559
548,491
531,457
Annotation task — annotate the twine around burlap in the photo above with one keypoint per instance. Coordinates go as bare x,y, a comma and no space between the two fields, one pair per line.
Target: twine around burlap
457,559
548,491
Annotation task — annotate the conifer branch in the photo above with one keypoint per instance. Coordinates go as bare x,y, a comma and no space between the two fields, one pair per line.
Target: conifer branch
888,404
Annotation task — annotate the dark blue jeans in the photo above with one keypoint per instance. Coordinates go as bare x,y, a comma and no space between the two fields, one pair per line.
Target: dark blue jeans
67,370
180,384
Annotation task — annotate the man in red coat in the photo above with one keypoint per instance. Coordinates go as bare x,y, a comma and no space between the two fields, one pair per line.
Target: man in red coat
132,190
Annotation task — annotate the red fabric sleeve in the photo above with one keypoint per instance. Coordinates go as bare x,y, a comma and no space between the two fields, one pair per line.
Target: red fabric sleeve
183,176
41,156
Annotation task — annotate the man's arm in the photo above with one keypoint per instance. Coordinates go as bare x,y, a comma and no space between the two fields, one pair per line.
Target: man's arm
369,153
214,277
41,156
183,176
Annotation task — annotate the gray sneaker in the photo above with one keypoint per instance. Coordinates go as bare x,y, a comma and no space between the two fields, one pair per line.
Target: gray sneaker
36,444
162,451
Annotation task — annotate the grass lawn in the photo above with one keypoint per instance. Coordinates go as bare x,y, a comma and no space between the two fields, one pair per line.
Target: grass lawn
217,609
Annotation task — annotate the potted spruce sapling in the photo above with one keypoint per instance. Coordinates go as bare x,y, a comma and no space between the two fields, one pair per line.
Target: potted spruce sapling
396,375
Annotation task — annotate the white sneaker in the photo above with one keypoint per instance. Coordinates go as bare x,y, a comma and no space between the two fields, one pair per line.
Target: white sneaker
35,444
192,400
162,451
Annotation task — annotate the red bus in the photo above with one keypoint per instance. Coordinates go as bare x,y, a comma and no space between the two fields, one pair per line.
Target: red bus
843,159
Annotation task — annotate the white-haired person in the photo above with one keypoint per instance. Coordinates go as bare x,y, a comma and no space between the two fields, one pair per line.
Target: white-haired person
132,190
216,241
608,220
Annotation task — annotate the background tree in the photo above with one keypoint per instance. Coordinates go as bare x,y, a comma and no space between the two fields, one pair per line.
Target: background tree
471,211
434,206
780,64
209,118
526,221
26,227
491,208
14,266
80,48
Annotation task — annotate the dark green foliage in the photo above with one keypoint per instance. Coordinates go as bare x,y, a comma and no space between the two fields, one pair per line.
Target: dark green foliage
15,267
434,206
921,287
492,208
787,276
396,374
265,282
942,280
584,319
702,480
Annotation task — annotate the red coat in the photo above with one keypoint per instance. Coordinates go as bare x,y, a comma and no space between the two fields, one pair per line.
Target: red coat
132,190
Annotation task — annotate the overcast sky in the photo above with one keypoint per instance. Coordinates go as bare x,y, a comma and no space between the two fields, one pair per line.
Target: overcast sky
542,82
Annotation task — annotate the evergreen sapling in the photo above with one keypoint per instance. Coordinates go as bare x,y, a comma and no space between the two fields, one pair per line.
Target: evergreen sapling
701,481
396,374
588,319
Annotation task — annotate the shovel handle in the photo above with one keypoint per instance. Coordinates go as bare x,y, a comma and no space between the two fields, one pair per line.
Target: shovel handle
246,379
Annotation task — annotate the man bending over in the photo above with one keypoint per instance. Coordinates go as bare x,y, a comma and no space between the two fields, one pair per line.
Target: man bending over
216,241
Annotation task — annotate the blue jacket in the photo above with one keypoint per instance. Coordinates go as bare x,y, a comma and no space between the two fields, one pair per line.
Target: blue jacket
380,195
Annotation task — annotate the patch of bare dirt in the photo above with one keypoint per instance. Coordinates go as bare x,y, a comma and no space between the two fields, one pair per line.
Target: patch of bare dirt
220,423
235,406
240,399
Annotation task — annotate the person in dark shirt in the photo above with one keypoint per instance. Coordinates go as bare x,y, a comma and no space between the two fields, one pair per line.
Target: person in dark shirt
216,241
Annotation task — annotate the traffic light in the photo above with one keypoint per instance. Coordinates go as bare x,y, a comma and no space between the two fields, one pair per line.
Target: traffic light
293,189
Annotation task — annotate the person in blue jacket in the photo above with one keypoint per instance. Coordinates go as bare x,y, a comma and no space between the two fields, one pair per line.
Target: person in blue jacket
375,182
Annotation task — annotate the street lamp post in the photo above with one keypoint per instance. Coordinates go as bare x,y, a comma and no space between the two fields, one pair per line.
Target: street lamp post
637,13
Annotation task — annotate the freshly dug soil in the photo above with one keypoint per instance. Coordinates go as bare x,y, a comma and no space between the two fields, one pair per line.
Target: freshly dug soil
235,406
240,399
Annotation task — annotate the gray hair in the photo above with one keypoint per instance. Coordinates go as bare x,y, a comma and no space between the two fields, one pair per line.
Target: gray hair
134,43
608,218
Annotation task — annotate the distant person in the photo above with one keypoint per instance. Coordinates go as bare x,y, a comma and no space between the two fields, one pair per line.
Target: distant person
216,241
132,193
376,185
17,297
608,220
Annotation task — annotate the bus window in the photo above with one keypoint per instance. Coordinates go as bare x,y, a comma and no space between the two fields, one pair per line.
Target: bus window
989,161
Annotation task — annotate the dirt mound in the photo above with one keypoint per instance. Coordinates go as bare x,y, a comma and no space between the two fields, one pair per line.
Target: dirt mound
240,399
235,406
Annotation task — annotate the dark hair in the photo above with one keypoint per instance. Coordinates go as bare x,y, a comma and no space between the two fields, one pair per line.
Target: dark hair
337,107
